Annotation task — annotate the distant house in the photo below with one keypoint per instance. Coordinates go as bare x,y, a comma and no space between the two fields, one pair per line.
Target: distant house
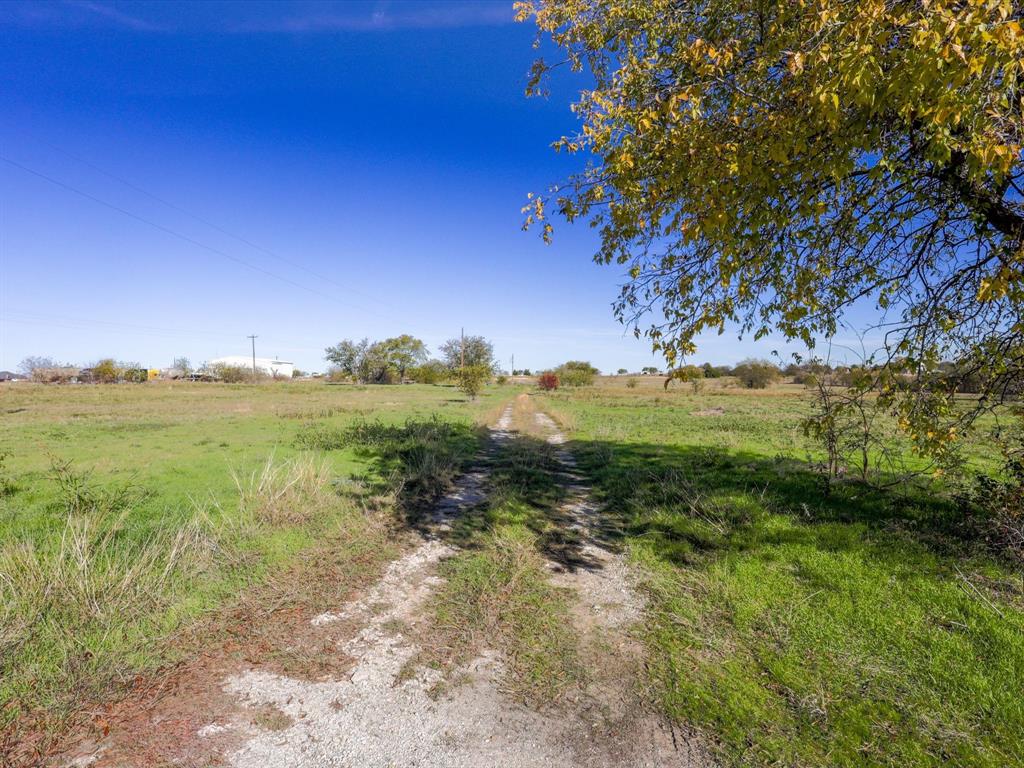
11,376
268,366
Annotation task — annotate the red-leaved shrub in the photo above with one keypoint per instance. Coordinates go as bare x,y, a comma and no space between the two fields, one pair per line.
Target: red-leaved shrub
547,381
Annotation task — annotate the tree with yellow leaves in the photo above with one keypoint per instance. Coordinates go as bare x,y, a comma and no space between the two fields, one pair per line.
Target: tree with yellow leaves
772,163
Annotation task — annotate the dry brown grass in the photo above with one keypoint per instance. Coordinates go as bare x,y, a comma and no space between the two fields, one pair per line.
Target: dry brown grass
286,492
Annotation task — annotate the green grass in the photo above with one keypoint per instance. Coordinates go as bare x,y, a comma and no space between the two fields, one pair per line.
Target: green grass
857,629
496,594
131,512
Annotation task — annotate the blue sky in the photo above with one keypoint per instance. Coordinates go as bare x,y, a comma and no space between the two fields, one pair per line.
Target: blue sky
179,176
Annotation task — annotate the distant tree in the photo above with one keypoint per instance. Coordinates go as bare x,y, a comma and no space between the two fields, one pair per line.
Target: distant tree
382,362
476,349
402,352
649,370
691,373
106,371
622,372
132,372
709,371
297,374
47,370
547,381
33,363
346,356
756,374
472,379
182,364
576,373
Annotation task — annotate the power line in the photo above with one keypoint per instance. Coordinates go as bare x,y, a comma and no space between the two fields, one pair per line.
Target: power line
211,224
173,233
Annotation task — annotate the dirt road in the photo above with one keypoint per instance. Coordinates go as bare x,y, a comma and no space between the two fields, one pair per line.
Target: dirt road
386,711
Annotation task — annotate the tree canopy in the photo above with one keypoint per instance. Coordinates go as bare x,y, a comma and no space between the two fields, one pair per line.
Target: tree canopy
381,362
771,164
478,352
576,373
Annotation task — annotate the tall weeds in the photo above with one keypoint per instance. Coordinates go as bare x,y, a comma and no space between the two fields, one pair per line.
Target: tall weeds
98,602
284,492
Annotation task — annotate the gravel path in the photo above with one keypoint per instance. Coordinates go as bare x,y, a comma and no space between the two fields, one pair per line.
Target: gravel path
390,713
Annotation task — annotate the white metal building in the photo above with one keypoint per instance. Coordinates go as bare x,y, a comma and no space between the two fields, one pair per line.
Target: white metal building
267,365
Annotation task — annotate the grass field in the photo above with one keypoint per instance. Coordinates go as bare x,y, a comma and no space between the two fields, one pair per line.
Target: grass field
130,511
797,629
790,627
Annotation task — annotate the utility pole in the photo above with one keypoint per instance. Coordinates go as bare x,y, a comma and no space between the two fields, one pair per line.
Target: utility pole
462,349
253,337
513,371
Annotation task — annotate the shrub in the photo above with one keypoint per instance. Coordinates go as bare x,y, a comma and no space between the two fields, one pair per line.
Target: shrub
135,375
631,382
61,374
691,373
548,381
622,372
231,374
576,373
502,379
472,379
995,505
106,371
756,374
431,372
320,437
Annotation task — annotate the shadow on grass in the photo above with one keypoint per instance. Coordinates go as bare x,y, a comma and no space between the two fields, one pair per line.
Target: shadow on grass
687,503
791,625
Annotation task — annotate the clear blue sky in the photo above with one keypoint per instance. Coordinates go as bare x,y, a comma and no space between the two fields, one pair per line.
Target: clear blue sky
304,171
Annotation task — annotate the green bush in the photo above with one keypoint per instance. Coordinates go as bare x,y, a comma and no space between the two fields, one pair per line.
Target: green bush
320,437
106,371
231,374
472,379
576,373
431,372
756,374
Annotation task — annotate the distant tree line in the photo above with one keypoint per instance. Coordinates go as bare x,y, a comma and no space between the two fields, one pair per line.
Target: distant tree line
467,361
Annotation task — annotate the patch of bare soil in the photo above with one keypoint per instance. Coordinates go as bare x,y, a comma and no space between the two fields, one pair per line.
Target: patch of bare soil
375,707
